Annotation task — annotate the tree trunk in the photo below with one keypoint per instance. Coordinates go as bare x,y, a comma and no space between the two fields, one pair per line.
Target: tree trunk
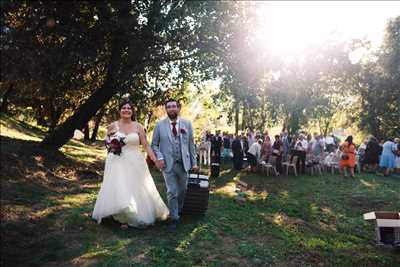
86,134
244,117
251,119
80,118
325,127
375,124
88,109
236,118
54,116
263,116
287,125
40,117
97,122
6,95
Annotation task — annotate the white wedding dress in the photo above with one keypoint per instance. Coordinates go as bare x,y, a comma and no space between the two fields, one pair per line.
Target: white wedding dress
128,192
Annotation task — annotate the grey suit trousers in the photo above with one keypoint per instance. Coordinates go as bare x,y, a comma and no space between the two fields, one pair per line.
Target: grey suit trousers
176,180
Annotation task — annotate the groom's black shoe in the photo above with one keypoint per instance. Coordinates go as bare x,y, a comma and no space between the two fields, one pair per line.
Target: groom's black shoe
173,224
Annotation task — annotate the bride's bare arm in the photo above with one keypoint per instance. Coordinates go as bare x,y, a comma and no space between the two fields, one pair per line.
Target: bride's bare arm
145,144
112,128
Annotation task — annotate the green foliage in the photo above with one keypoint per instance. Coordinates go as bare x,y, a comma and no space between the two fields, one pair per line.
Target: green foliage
377,87
72,63
51,67
93,51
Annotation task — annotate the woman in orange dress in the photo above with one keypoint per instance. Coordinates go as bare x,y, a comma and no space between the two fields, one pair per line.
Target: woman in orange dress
348,158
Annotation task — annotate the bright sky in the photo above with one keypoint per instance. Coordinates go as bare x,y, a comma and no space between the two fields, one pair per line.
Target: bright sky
287,27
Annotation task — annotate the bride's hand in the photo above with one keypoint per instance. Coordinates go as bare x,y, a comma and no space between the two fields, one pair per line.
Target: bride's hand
160,164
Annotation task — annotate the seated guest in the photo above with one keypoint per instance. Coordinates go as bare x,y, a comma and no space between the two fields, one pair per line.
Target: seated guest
330,160
266,149
330,143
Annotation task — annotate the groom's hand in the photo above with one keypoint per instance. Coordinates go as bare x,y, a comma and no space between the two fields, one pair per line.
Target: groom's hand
195,168
160,164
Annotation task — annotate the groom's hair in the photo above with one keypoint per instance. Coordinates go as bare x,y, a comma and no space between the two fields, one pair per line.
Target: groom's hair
172,100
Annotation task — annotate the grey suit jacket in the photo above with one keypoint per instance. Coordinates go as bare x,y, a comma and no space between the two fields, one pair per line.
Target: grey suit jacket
162,143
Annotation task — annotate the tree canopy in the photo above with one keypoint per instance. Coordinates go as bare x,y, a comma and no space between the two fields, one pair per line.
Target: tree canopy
66,63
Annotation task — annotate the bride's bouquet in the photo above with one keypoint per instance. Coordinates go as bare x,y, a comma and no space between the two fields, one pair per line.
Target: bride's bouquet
114,143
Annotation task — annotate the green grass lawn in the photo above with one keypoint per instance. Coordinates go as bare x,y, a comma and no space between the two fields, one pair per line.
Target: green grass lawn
47,200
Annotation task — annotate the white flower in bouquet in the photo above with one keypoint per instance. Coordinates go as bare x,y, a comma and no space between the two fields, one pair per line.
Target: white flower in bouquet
115,142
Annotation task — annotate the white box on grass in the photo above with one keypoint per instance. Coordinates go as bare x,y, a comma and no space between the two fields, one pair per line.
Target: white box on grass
387,227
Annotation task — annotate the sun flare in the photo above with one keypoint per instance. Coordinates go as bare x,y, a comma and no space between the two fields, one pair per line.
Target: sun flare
288,27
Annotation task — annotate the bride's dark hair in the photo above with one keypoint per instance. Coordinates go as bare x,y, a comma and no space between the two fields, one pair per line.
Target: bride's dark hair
123,103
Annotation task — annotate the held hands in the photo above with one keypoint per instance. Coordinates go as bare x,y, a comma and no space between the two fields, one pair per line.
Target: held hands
195,168
160,164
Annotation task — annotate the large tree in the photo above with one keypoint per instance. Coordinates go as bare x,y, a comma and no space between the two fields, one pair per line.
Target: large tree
377,87
126,37
46,59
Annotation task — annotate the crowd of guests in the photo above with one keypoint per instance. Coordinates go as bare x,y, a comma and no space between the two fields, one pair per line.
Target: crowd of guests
254,149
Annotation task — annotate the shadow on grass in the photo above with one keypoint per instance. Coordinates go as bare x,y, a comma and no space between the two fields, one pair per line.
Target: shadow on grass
21,126
33,181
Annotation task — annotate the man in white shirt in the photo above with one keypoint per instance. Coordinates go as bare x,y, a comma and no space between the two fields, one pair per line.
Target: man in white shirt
254,154
301,147
251,138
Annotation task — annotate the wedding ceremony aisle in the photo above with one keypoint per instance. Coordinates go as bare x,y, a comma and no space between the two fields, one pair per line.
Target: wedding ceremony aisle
47,200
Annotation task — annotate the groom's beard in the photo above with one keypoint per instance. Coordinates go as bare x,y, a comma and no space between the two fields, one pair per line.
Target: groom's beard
172,115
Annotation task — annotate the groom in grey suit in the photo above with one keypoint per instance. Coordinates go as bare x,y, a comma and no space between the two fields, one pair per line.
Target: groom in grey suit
174,147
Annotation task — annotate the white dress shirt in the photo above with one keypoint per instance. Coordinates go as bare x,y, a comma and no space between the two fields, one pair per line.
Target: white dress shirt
304,145
255,150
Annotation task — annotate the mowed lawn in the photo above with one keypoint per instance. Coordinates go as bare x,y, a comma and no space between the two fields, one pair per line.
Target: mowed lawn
47,200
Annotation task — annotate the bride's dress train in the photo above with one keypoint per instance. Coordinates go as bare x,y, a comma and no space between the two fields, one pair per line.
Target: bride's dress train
128,192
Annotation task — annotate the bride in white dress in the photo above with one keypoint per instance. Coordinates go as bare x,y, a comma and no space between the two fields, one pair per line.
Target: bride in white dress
128,192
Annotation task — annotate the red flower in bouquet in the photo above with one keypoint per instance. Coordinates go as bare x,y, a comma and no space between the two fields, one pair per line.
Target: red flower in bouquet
183,131
114,144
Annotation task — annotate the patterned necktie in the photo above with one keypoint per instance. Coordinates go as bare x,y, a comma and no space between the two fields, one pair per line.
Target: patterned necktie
174,131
